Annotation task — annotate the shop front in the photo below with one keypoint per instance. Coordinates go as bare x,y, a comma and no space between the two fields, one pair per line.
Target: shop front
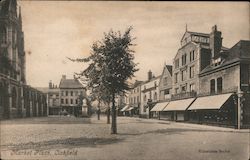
214,110
177,109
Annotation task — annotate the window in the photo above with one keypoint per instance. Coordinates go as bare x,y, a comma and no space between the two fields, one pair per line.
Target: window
71,101
191,72
176,63
166,91
192,56
212,86
176,90
71,93
219,84
76,93
66,93
134,100
183,75
183,89
145,98
62,93
138,99
184,59
155,96
66,101
3,35
62,101
176,77
76,101
192,87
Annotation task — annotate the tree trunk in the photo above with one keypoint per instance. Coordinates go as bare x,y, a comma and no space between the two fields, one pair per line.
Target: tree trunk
108,114
113,125
98,110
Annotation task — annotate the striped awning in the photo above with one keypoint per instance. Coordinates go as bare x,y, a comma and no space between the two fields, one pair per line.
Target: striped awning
210,102
179,105
159,107
124,108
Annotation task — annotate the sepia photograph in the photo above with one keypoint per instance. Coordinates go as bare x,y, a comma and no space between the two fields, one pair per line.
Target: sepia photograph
124,80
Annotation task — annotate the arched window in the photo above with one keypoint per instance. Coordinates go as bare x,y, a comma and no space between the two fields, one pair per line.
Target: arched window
3,35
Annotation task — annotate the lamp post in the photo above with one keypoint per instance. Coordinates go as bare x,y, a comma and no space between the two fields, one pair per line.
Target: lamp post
240,100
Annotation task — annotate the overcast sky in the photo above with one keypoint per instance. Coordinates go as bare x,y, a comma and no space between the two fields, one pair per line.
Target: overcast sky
55,30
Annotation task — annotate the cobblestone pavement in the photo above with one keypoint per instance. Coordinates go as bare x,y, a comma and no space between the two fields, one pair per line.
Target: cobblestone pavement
90,139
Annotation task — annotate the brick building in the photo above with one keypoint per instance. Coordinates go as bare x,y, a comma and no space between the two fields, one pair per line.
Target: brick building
17,99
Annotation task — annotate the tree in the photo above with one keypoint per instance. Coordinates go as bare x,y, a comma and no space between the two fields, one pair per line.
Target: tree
111,65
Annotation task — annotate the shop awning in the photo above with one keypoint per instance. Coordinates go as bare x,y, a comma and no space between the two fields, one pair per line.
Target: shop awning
210,102
124,108
159,106
129,109
179,105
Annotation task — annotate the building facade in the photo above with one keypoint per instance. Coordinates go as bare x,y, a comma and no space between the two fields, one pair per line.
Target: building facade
134,99
72,95
17,99
165,84
149,95
192,57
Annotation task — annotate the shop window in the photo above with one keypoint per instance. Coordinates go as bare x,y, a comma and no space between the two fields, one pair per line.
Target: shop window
219,84
212,86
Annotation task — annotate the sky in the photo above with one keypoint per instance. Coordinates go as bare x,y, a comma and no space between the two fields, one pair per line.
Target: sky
55,30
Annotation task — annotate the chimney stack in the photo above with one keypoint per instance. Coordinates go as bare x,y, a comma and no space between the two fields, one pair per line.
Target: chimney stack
50,84
150,75
215,41
64,77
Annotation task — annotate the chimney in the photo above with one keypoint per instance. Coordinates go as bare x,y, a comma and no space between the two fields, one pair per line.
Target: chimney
150,75
64,77
215,41
50,84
